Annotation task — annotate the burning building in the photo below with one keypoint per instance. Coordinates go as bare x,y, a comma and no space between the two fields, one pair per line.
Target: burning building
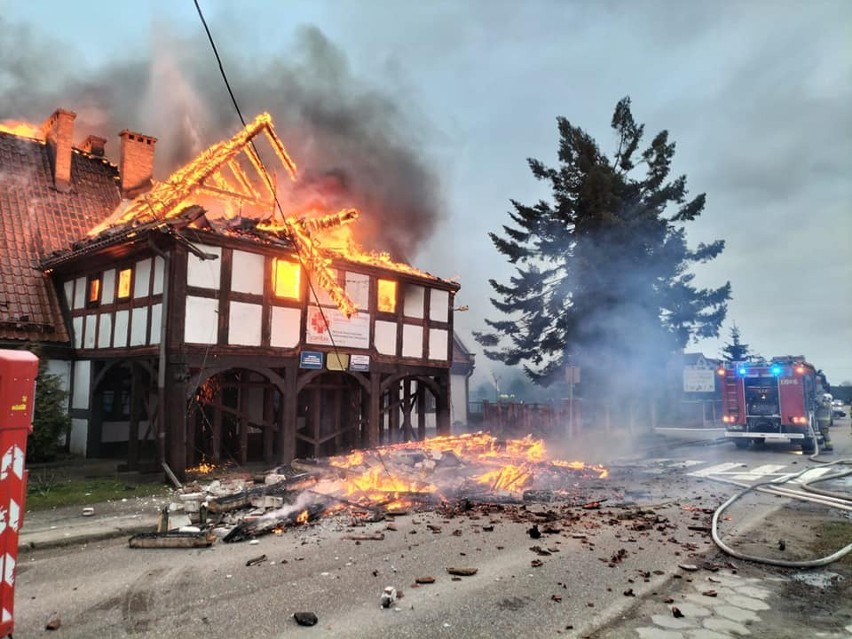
211,316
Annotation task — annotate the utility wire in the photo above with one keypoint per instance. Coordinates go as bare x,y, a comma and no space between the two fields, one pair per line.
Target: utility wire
275,194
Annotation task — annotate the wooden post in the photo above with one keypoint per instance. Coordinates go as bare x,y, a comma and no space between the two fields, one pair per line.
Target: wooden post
217,433
289,412
375,413
407,406
174,417
421,411
136,399
268,430
442,416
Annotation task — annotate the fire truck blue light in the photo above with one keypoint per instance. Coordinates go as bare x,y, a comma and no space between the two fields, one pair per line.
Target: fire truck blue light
776,370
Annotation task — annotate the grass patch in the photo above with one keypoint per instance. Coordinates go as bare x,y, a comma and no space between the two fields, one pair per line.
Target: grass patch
47,490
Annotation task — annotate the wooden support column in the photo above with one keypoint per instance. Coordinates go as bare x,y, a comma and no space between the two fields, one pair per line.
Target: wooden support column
244,421
268,431
442,410
174,417
217,434
421,411
375,413
407,406
192,419
289,412
136,399
393,413
337,419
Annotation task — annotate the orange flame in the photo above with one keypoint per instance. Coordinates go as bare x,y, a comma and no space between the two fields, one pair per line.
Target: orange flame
22,129
303,517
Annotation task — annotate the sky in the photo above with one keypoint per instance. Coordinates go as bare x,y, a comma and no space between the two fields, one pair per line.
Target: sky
436,107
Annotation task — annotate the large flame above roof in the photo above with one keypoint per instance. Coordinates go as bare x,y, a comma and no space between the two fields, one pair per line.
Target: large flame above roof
232,177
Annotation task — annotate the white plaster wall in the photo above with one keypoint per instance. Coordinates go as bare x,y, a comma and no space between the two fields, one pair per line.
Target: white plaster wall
139,326
385,337
414,303
108,287
286,327
79,292
358,288
439,305
412,341
77,328
204,273
156,323
458,399
89,333
159,275
244,323
122,323
247,272
438,348
142,278
62,369
69,293
105,330
202,320
80,392
79,435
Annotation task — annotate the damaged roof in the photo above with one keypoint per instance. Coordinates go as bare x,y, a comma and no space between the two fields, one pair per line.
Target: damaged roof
35,220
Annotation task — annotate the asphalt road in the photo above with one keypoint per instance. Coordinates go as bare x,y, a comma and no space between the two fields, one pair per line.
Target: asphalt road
590,568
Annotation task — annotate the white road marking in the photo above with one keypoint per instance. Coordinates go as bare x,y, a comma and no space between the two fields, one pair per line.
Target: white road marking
718,469
761,471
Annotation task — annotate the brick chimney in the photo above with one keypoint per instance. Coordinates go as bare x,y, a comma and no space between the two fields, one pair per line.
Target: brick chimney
136,164
93,145
59,134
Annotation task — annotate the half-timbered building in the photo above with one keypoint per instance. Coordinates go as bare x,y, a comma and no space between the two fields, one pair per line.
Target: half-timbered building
206,322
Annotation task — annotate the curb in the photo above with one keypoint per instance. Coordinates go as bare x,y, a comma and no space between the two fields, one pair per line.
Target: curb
45,539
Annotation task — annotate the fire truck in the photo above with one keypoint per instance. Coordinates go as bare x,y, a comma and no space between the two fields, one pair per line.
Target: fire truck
771,401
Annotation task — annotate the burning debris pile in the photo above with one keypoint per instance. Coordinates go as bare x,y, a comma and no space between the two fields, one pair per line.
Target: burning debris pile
371,485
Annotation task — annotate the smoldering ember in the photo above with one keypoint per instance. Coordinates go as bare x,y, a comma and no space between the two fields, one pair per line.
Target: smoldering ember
448,474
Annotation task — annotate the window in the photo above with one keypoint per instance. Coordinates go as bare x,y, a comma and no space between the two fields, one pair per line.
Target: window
93,294
286,279
387,296
125,277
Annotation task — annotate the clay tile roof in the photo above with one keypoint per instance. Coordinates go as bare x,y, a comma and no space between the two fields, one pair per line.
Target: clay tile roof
36,219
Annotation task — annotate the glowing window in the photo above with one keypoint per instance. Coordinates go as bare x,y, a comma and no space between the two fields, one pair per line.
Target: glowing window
387,296
124,278
94,294
286,278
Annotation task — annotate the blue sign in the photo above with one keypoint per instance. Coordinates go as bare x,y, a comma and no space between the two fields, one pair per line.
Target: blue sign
310,359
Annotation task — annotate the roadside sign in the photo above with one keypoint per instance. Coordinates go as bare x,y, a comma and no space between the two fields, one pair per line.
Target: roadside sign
360,363
310,359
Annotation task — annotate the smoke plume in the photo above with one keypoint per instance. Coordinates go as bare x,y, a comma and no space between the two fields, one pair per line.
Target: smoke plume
355,146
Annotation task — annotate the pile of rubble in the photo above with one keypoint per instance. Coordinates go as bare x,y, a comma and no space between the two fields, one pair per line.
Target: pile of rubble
370,485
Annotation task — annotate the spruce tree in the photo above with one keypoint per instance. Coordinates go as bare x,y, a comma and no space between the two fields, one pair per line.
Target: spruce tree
735,350
602,274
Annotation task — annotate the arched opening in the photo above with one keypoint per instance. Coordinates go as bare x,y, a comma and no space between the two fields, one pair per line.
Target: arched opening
235,415
332,414
408,409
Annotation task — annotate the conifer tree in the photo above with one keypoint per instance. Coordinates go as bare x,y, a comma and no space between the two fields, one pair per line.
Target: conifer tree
602,275
735,350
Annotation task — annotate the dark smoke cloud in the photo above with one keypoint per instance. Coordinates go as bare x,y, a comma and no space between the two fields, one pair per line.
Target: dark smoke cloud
354,145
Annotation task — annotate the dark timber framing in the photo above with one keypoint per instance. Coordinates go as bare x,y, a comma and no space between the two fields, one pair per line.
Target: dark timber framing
221,402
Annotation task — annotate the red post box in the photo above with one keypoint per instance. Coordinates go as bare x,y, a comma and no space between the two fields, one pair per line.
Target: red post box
18,371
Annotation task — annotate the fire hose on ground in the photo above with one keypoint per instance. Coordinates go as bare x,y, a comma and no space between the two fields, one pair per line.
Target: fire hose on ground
824,497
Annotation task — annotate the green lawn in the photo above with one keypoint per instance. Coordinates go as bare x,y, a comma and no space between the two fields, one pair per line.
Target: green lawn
45,490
